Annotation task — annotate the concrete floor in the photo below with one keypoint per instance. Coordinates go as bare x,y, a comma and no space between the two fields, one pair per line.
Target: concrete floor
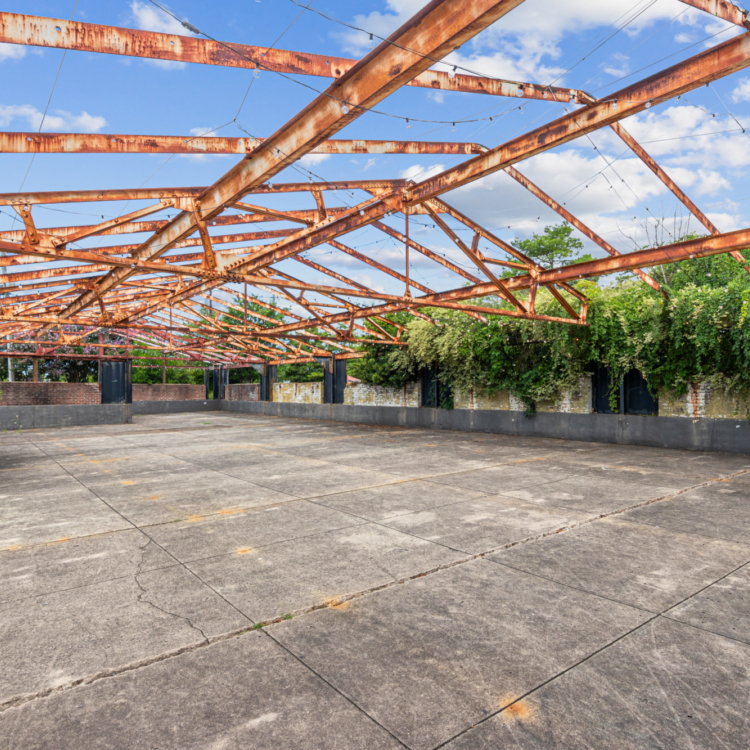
226,581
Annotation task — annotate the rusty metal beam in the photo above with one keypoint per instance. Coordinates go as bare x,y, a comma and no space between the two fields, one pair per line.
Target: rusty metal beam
721,9
141,194
579,225
88,37
700,248
715,63
640,152
98,143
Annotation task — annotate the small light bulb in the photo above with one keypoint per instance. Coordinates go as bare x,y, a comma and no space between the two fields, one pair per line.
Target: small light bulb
361,211
452,72
614,105
454,127
519,91
256,73
408,124
648,105
344,109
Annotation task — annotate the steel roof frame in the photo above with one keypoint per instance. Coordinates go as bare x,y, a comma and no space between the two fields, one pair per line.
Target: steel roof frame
189,305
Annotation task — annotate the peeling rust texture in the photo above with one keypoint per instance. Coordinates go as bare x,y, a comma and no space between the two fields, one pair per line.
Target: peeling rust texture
76,143
16,28
721,9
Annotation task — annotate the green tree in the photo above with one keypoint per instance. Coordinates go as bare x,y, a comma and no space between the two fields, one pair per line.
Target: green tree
555,246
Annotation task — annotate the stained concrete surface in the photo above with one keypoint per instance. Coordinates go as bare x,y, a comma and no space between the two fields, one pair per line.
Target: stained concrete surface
219,580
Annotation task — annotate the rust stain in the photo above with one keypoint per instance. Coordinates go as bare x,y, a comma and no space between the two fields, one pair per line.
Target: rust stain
243,551
230,511
154,497
340,604
127,481
13,548
520,710
61,541
195,518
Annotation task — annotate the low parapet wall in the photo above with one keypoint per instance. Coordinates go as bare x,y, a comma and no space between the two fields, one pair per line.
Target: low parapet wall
63,415
168,392
28,393
725,435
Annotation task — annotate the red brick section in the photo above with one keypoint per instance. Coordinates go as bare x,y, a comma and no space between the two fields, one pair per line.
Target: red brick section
168,392
243,392
41,394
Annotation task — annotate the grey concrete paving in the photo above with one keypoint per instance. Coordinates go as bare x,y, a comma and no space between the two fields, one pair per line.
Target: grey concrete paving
215,580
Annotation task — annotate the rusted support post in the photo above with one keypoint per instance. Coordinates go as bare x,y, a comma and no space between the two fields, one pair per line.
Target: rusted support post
35,370
164,369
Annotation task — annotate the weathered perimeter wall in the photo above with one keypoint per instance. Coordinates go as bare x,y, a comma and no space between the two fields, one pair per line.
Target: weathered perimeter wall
359,394
27,393
168,392
63,415
298,393
242,392
577,400
701,400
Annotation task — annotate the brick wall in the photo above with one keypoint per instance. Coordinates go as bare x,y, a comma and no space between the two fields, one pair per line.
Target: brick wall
168,392
41,394
242,392
360,394
298,393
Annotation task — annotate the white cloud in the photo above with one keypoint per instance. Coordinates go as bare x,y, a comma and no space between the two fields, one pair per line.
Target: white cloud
149,18
11,51
312,160
58,121
742,92
621,61
522,44
437,96
202,131
418,173
683,38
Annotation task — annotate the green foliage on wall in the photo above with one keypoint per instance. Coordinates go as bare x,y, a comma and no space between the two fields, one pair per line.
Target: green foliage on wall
697,330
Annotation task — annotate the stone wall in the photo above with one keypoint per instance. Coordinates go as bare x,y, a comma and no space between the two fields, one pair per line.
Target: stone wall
168,392
27,393
701,400
242,392
576,400
359,394
298,393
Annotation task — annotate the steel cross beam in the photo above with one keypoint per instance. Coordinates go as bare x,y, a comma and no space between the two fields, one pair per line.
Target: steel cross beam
141,194
439,28
700,248
639,151
88,37
98,143
579,225
435,31
715,63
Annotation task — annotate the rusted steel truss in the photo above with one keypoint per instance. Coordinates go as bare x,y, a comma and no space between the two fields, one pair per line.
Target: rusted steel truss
268,294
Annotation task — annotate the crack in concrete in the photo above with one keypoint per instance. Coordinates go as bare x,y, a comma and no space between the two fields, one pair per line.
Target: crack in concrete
16,701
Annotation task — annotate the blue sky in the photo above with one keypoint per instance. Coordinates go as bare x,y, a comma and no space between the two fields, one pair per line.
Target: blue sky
573,44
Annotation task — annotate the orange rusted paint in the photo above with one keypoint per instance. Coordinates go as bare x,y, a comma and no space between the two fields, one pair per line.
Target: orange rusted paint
97,143
16,28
